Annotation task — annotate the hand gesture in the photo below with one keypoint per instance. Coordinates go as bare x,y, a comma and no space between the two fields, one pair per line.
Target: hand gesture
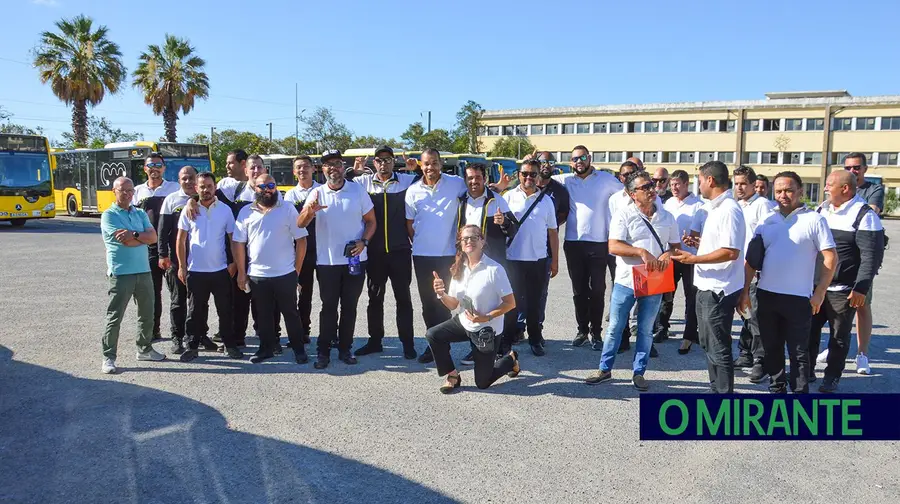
359,164
476,317
438,284
530,156
682,256
411,163
314,205
192,208
499,217
649,260
689,240
122,235
502,184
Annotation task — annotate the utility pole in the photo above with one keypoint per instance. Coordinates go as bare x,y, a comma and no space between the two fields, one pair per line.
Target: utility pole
296,123
270,137
212,130
429,122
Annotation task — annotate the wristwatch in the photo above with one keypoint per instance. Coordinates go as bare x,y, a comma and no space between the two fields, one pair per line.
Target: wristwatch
135,234
365,242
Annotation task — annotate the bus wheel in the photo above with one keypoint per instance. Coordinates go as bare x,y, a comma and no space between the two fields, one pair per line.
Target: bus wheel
17,222
72,207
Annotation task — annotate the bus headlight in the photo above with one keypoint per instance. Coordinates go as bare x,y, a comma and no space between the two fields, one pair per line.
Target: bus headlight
49,206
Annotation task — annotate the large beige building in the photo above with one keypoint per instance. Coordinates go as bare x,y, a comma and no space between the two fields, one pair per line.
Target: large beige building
807,132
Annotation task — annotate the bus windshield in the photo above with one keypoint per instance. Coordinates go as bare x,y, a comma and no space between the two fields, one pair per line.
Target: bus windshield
174,165
24,170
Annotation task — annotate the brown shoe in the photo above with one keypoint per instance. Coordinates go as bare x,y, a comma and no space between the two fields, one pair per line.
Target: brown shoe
516,368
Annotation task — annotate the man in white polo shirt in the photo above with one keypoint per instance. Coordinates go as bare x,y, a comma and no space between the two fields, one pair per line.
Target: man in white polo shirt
303,171
718,271
268,250
791,239
586,247
205,266
527,252
345,222
431,209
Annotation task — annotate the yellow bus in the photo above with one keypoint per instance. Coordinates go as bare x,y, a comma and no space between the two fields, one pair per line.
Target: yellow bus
26,179
281,168
84,177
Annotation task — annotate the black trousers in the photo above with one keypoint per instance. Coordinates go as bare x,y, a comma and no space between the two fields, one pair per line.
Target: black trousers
487,369
200,286
528,279
177,303
685,274
277,293
337,287
433,311
750,342
157,274
715,313
397,267
304,297
240,312
785,319
587,263
835,310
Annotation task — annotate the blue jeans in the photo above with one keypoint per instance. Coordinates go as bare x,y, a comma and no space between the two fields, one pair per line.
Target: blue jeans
620,305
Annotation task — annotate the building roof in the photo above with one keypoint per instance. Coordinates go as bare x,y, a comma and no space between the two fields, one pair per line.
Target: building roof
806,99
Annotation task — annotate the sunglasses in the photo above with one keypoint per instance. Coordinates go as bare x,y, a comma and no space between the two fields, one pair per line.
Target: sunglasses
268,185
153,165
659,180
583,157
338,164
854,168
528,174
467,239
384,160
548,162
646,187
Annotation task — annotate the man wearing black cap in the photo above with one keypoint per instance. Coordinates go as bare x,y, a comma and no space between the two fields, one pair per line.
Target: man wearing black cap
390,252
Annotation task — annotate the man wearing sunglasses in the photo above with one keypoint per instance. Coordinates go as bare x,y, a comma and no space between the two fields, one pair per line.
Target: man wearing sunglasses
149,197
586,245
661,179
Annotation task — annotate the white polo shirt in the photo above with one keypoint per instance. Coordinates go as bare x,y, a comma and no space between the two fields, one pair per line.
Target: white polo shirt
530,242
842,218
143,191
299,194
174,202
397,183
755,210
792,244
683,211
628,225
486,285
588,205
206,237
433,211
475,211
723,227
341,222
269,237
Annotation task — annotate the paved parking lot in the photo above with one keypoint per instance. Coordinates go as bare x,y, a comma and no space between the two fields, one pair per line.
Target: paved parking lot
218,430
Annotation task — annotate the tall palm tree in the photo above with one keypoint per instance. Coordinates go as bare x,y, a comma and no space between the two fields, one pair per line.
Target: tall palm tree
171,77
81,65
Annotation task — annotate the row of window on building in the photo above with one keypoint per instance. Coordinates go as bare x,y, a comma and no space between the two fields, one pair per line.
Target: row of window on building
708,126
752,158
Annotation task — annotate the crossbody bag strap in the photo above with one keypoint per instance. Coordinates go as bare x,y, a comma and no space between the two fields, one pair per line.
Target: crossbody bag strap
527,213
656,236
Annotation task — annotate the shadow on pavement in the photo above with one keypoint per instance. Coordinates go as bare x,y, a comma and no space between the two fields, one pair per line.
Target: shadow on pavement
65,439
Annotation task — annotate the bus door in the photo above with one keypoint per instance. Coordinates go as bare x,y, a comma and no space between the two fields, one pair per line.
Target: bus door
89,184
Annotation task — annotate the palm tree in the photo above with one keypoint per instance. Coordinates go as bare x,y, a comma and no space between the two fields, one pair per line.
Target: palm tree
81,65
171,77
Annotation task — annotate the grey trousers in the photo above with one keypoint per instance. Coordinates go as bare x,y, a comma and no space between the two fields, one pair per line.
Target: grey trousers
121,289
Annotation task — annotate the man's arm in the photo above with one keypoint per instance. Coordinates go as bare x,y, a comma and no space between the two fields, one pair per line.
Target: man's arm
716,256
553,238
299,253
410,230
876,199
829,262
871,253
181,248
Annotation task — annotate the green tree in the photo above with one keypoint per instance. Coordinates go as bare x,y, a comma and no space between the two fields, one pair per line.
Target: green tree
439,139
82,65
412,137
465,136
100,133
513,146
369,141
171,77
890,201
20,129
323,128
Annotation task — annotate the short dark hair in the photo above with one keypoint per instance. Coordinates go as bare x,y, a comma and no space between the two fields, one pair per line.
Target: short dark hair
762,178
791,175
155,154
745,171
857,155
631,178
477,166
302,157
206,175
718,171
239,154
582,147
631,164
680,175
432,152
255,157
549,154
534,163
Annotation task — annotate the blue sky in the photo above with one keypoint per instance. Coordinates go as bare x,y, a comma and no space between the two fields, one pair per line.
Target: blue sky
380,65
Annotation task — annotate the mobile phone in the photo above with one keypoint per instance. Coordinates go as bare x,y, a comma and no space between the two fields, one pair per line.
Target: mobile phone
348,248
466,303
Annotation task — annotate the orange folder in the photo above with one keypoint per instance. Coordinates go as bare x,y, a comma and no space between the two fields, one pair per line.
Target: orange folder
649,283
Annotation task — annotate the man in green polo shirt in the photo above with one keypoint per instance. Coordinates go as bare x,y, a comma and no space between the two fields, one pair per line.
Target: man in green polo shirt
126,233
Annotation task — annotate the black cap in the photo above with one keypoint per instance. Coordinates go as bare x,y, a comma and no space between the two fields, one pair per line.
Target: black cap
385,148
331,154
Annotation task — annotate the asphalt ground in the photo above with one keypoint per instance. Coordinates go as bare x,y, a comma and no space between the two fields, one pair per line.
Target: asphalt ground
218,430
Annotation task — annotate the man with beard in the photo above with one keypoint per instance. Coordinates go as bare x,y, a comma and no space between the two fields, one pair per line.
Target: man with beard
432,204
269,249
345,222
149,197
303,171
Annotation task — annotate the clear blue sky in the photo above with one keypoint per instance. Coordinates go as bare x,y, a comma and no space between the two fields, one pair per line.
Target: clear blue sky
380,64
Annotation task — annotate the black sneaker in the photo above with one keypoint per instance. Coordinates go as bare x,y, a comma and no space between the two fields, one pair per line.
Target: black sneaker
234,353
757,375
580,339
189,355
216,338
661,335
369,348
654,353
177,347
598,377
208,344
829,385
300,357
468,360
409,353
278,350
519,337
744,361
597,345
260,357
538,350
322,361
347,357
426,356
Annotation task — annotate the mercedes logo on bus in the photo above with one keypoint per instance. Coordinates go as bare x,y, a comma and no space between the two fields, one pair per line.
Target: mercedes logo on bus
18,207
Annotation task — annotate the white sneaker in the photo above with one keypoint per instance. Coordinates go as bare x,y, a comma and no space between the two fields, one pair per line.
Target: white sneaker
108,366
822,358
862,364
150,355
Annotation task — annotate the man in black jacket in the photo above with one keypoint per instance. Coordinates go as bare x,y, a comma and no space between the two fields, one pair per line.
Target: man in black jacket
859,240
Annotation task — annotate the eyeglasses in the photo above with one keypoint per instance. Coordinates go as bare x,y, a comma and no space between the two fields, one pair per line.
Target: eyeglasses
384,160
659,180
469,239
334,165
153,165
528,174
268,185
583,157
646,187
854,168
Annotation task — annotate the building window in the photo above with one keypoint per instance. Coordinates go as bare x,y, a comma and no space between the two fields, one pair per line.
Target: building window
706,157
812,158
726,157
552,129
727,126
599,157
768,158
887,159
537,129
771,125
669,157
601,128
751,124
793,124
838,157
635,127
651,157
688,126
583,128
844,124
482,131
568,129
811,191
508,131
792,157
708,125
565,157
890,123
493,131
522,130
751,158
651,127
865,123
670,126
815,124
687,157
615,157
617,127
